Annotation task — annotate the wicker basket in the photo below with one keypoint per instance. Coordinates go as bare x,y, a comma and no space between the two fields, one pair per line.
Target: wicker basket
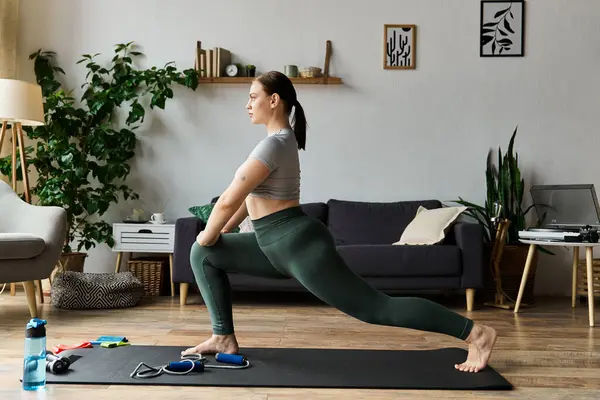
150,272
582,288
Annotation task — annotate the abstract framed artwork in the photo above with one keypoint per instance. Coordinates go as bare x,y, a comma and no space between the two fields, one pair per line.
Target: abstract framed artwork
502,28
399,49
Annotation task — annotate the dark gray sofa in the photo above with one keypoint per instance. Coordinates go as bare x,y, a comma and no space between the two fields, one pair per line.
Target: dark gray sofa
364,233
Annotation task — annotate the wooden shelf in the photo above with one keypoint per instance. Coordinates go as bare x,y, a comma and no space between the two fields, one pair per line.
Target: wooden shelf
243,79
324,79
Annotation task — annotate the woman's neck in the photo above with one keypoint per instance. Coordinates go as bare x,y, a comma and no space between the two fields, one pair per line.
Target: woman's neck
277,124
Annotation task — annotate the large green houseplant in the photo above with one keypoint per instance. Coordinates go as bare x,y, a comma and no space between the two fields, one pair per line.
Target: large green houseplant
82,154
505,186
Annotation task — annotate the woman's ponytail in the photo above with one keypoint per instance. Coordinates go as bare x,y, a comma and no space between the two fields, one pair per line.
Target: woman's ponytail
299,125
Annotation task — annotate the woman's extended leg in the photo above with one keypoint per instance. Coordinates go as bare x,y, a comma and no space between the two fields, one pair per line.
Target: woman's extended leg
234,253
309,255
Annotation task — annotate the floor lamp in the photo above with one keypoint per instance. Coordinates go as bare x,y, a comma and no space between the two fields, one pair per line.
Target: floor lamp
21,104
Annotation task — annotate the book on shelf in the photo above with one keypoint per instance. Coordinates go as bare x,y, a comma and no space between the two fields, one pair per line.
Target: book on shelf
211,62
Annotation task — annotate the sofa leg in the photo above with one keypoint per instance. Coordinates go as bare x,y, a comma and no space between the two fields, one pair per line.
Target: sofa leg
470,299
29,287
183,292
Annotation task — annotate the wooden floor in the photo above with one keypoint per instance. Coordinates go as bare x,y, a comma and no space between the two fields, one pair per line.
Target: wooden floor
546,352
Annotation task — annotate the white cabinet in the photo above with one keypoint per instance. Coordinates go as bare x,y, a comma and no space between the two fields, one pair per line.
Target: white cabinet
144,238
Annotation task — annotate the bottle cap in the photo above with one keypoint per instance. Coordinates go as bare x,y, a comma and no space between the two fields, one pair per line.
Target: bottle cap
36,328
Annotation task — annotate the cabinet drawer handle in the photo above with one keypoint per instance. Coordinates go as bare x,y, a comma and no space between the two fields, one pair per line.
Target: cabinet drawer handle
144,231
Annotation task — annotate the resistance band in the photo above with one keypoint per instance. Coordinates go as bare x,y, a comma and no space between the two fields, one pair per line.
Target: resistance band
190,363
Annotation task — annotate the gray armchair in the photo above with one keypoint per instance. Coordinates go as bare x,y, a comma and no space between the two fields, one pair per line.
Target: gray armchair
31,241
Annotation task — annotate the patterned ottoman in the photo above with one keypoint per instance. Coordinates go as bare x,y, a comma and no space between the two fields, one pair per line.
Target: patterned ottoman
80,290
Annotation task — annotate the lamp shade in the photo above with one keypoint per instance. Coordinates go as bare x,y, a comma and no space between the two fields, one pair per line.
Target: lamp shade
21,102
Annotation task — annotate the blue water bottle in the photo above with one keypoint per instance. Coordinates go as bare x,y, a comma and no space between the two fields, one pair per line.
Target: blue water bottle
34,362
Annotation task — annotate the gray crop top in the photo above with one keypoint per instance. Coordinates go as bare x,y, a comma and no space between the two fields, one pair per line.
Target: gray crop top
279,152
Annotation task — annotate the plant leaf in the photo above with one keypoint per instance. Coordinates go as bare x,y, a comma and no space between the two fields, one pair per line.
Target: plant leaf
499,13
486,39
507,26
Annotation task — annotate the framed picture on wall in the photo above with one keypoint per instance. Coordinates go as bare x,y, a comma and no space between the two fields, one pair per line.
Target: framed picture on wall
502,28
399,51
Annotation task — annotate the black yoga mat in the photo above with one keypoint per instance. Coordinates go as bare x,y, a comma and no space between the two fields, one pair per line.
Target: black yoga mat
285,367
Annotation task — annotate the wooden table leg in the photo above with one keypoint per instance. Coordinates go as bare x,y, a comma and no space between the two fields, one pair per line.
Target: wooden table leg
589,256
171,273
530,254
119,255
574,282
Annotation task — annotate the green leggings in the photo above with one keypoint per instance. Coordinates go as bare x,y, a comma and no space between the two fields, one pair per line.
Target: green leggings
291,244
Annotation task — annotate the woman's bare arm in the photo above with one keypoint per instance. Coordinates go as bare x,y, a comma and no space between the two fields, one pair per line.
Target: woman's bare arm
237,218
246,178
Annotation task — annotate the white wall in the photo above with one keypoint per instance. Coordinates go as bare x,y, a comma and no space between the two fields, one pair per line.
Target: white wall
383,135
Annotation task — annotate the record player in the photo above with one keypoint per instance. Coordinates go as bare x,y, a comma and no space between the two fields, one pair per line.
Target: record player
566,213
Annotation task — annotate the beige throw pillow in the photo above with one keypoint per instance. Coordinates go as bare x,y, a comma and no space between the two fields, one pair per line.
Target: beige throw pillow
430,226
246,225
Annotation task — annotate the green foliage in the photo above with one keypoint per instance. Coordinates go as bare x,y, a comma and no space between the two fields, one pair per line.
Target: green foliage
82,153
505,186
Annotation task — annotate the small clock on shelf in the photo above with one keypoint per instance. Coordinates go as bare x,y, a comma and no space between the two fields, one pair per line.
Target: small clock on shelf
232,70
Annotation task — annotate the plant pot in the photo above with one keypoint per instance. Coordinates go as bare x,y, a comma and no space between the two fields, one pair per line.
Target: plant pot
73,261
512,265
250,71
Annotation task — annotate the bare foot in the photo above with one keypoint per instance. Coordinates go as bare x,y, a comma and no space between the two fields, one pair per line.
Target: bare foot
216,344
481,341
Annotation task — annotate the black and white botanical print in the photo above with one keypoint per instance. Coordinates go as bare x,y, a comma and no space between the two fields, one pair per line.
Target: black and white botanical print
502,28
399,46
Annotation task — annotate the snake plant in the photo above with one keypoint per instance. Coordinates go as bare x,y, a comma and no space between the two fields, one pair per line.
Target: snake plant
505,186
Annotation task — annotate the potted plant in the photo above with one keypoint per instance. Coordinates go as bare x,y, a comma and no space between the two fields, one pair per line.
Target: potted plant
505,186
83,152
250,70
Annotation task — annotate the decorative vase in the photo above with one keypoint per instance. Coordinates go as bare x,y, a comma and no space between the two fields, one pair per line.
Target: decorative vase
511,273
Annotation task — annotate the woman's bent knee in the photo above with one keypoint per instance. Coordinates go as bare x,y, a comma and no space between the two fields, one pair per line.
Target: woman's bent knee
197,255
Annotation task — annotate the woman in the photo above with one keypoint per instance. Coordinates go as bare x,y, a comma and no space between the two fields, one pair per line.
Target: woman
288,243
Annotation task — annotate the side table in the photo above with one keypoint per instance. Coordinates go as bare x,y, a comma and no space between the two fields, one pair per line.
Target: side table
589,256
144,238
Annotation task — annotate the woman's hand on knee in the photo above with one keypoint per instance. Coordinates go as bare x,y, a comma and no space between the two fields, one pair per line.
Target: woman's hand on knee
206,241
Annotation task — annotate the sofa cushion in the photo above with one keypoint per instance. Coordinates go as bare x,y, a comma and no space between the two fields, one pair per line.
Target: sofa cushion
407,260
357,222
203,212
316,210
430,226
15,246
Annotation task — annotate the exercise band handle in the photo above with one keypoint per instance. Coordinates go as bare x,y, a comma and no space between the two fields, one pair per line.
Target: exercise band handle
183,366
230,358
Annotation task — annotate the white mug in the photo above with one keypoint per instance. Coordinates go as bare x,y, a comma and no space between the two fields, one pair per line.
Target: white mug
158,218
